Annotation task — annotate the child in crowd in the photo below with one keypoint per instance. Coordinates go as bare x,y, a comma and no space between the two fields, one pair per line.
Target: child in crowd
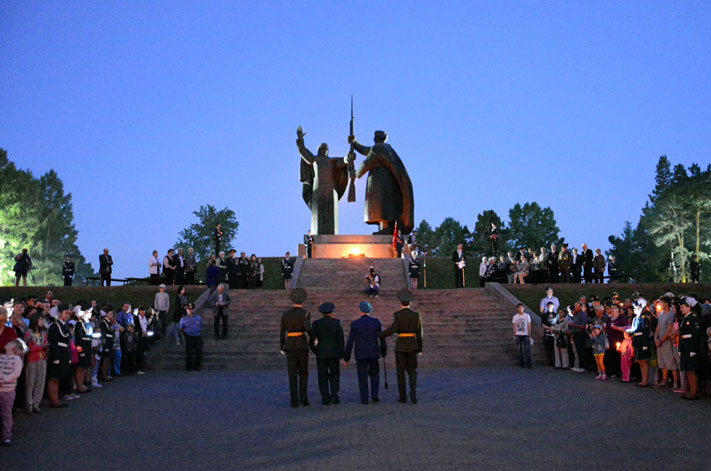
626,357
35,364
10,369
598,338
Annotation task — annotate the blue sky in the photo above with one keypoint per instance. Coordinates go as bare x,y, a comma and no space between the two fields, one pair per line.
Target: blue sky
148,111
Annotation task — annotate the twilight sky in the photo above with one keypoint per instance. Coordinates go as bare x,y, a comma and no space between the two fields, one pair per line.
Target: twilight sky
147,112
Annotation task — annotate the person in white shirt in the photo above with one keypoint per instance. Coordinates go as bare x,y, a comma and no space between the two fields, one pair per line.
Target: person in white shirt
154,268
522,335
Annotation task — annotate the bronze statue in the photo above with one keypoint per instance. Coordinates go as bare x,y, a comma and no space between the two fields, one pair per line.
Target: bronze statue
324,183
388,194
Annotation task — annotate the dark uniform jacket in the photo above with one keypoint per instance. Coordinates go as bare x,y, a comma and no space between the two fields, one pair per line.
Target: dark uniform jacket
82,338
414,266
329,333
406,321
364,333
58,338
296,319
68,270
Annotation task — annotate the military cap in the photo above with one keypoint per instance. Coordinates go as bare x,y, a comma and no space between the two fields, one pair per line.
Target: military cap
404,295
365,307
190,306
298,295
326,308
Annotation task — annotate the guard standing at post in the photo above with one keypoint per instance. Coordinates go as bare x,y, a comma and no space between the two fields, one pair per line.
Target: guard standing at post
328,345
295,326
408,325
68,271
309,243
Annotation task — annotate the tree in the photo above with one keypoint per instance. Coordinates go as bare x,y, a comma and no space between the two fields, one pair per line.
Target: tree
532,226
425,237
481,242
448,235
36,215
199,235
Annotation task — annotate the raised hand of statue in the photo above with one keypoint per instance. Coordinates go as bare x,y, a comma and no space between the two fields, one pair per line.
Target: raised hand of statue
351,139
299,133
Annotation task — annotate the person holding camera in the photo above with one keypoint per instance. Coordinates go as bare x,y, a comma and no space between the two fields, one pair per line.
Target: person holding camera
23,264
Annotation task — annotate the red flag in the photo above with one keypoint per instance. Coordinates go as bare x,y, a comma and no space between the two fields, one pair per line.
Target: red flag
395,234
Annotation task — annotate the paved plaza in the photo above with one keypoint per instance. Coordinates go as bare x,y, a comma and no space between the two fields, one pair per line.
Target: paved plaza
465,419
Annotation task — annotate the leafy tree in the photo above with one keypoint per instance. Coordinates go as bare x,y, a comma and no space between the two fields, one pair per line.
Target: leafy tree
199,235
481,242
425,237
36,215
448,235
532,226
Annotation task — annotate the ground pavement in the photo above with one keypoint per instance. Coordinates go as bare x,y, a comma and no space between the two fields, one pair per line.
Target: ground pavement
465,419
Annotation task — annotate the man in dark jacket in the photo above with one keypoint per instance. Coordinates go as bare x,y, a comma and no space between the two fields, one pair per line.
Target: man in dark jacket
368,350
588,263
295,326
459,261
105,267
408,325
327,343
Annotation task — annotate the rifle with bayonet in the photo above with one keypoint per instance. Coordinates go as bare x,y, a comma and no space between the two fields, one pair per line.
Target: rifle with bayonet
351,160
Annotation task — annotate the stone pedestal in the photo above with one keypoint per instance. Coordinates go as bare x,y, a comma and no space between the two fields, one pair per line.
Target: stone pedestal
345,246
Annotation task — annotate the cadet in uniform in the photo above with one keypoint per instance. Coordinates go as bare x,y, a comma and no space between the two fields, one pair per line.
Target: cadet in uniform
83,332
58,367
364,333
309,243
689,343
295,325
328,346
68,271
287,269
408,325
414,268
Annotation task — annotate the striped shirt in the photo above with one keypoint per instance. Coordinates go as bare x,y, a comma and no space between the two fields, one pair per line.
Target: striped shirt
10,369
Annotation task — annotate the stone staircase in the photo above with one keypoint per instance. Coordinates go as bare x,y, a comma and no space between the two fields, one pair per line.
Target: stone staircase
462,328
350,273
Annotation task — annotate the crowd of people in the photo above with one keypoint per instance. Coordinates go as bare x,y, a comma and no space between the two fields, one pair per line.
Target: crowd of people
662,343
548,266
58,352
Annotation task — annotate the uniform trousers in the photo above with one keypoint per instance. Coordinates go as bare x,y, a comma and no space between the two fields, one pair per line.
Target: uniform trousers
406,361
369,368
193,352
329,374
67,282
297,364
35,374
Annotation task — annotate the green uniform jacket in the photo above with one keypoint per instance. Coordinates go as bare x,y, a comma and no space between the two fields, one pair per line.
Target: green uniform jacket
329,333
296,319
406,321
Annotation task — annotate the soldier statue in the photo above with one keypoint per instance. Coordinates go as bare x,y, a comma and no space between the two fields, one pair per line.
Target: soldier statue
388,195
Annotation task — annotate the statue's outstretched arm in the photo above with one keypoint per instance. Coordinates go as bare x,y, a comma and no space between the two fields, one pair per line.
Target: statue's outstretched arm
306,154
360,148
